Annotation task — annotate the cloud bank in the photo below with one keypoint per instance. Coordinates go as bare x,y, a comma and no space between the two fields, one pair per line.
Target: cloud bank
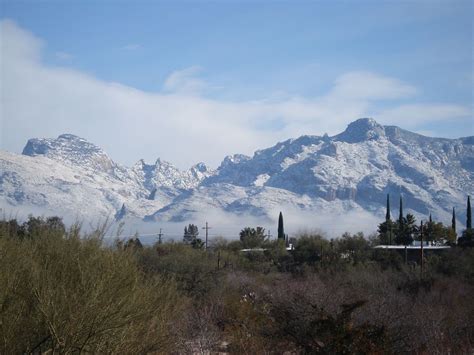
181,123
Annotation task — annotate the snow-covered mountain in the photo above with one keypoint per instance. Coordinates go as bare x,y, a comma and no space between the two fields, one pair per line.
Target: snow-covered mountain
311,175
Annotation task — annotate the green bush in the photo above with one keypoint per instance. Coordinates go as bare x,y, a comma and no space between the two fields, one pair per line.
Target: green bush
66,294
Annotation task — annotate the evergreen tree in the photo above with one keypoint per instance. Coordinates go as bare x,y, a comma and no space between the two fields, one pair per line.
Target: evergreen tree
400,215
406,230
453,221
385,229
197,243
252,237
467,238
133,244
190,233
281,230
400,234
387,215
429,229
469,215
411,228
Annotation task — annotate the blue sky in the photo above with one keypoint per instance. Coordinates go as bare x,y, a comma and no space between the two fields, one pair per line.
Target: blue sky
286,68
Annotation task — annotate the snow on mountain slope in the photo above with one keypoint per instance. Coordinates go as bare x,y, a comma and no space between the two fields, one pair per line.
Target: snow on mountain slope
70,176
42,185
309,176
74,151
164,174
363,164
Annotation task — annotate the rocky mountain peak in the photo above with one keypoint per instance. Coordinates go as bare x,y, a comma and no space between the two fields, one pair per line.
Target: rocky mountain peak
64,145
234,159
201,167
362,130
70,149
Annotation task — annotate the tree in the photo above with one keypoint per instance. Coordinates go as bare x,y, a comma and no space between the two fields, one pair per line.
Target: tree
468,214
429,230
55,224
401,232
190,233
252,237
387,215
400,214
309,249
467,238
406,230
197,243
133,244
355,248
37,226
386,228
437,232
281,230
453,221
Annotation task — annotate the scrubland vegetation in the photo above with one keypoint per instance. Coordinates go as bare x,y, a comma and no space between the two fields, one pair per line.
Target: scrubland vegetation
62,291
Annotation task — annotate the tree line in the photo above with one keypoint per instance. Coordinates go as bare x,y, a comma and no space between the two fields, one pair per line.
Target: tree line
405,229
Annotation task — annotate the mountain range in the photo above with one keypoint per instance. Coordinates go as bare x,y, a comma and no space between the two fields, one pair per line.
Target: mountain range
312,176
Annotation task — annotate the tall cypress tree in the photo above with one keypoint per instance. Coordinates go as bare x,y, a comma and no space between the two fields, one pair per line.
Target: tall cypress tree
401,230
453,221
281,230
387,215
469,216
400,216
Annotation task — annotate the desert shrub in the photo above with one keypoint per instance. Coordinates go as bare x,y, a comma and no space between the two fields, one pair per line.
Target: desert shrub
310,249
195,271
457,262
33,227
388,259
354,249
66,294
61,292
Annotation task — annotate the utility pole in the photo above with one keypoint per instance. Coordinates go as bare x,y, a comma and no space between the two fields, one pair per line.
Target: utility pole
159,237
207,232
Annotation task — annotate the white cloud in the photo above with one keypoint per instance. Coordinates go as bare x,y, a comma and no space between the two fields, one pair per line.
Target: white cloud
413,115
369,86
185,81
178,124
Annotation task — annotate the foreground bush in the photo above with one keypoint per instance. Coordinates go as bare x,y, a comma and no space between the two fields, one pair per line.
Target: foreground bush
60,293
66,294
